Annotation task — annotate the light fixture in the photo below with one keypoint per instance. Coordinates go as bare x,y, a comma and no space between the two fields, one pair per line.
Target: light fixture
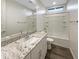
54,3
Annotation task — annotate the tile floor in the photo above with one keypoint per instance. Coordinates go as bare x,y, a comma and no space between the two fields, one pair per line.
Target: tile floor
58,52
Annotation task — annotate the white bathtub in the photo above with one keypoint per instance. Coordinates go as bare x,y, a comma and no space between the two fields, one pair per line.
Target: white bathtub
64,42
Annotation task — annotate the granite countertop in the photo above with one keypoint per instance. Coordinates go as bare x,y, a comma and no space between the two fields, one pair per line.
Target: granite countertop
22,47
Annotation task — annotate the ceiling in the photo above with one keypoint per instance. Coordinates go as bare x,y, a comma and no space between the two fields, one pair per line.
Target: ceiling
72,2
72,5
45,3
50,3
28,3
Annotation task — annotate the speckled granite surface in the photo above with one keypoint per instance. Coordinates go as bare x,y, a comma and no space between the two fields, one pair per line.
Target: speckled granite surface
22,47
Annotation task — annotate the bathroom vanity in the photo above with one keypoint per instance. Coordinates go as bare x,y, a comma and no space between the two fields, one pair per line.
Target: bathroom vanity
34,47
40,50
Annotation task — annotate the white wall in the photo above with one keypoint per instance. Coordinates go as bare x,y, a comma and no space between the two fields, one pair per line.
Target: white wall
58,28
58,25
74,36
40,23
17,18
3,18
40,12
73,29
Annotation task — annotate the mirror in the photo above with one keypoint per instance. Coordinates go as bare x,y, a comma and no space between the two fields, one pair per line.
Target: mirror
16,18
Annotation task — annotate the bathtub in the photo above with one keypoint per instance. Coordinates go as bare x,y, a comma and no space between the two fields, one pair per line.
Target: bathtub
60,41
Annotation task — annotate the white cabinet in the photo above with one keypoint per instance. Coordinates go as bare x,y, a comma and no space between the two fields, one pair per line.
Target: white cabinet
35,55
27,57
36,52
40,50
44,48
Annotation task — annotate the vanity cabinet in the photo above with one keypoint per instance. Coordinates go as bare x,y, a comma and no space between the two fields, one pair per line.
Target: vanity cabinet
36,52
27,57
40,50
44,48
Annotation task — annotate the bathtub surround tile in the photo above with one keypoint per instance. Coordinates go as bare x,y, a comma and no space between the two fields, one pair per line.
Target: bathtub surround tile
58,52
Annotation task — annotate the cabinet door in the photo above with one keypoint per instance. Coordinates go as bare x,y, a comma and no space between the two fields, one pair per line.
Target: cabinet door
44,48
35,53
27,57
40,50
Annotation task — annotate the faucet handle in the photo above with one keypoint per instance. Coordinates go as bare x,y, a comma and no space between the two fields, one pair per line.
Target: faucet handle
27,33
21,31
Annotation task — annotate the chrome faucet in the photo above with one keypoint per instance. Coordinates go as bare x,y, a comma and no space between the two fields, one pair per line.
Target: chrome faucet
27,35
20,35
21,32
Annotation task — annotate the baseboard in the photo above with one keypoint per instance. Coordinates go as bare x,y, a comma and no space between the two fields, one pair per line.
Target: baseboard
72,53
